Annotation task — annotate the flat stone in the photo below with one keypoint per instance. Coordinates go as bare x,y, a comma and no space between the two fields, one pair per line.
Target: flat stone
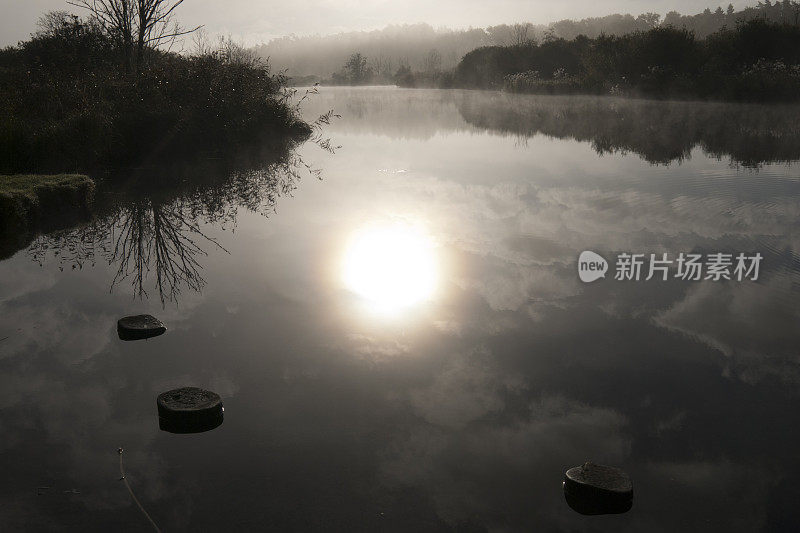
598,489
189,410
138,327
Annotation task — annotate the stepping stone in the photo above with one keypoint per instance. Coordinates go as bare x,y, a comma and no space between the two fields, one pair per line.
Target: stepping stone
189,410
138,327
597,489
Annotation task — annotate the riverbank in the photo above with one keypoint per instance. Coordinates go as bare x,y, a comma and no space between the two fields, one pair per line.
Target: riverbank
757,61
30,203
71,100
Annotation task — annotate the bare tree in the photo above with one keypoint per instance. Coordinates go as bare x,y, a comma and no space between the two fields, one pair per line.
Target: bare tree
116,18
202,43
232,52
381,66
433,61
155,24
136,24
55,23
519,34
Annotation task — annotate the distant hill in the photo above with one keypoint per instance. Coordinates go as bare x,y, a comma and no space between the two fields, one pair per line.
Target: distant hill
420,47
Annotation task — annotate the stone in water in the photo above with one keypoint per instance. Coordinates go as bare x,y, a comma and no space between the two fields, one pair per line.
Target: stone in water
597,489
137,327
189,410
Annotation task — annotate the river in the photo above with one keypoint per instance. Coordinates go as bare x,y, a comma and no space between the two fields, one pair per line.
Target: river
395,322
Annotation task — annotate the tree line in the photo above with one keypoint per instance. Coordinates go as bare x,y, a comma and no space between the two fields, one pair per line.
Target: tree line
314,58
756,60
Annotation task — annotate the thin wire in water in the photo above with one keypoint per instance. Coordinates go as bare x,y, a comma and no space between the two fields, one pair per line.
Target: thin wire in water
125,480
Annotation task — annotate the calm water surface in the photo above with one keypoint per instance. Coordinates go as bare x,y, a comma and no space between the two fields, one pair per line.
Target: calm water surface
404,344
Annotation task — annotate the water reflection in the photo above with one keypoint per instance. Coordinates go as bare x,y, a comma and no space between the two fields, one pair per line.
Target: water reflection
391,265
464,412
155,235
661,132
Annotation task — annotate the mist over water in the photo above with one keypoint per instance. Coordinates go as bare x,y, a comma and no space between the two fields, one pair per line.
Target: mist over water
452,392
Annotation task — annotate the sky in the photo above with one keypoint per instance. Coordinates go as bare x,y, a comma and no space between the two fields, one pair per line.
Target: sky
256,21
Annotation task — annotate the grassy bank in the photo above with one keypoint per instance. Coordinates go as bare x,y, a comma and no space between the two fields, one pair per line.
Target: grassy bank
28,199
30,203
72,102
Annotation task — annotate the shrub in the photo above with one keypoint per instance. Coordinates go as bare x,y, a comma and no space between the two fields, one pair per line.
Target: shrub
28,201
72,104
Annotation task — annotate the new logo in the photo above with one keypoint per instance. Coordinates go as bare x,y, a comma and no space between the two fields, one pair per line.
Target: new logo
591,266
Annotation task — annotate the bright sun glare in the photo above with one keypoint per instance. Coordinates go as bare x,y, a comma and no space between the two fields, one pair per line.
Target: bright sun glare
392,266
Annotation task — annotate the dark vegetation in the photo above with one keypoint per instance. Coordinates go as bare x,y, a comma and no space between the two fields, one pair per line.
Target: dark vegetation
29,203
81,95
747,55
151,223
662,133
754,61
23,193
358,70
394,49
748,135
171,140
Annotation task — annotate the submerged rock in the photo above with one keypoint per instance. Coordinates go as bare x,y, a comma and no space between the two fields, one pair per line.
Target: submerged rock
138,327
597,489
189,410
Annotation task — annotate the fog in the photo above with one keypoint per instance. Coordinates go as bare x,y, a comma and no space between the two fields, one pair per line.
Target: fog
253,21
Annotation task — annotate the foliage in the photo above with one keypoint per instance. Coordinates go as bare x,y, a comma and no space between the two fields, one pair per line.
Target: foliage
663,133
757,60
410,45
135,25
487,67
354,72
31,185
28,201
69,104
531,82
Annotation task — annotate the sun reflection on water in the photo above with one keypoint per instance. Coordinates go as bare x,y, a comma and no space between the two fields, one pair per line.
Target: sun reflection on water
392,266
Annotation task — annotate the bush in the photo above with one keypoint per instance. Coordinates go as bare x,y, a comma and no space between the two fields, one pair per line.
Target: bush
532,82
71,103
27,201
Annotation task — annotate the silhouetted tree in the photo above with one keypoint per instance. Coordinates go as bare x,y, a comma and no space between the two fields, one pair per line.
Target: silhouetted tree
649,19
355,70
136,24
433,62
520,34
756,60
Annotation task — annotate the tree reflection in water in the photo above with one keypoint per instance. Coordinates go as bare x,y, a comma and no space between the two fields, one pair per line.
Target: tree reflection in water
153,231
166,237
661,132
